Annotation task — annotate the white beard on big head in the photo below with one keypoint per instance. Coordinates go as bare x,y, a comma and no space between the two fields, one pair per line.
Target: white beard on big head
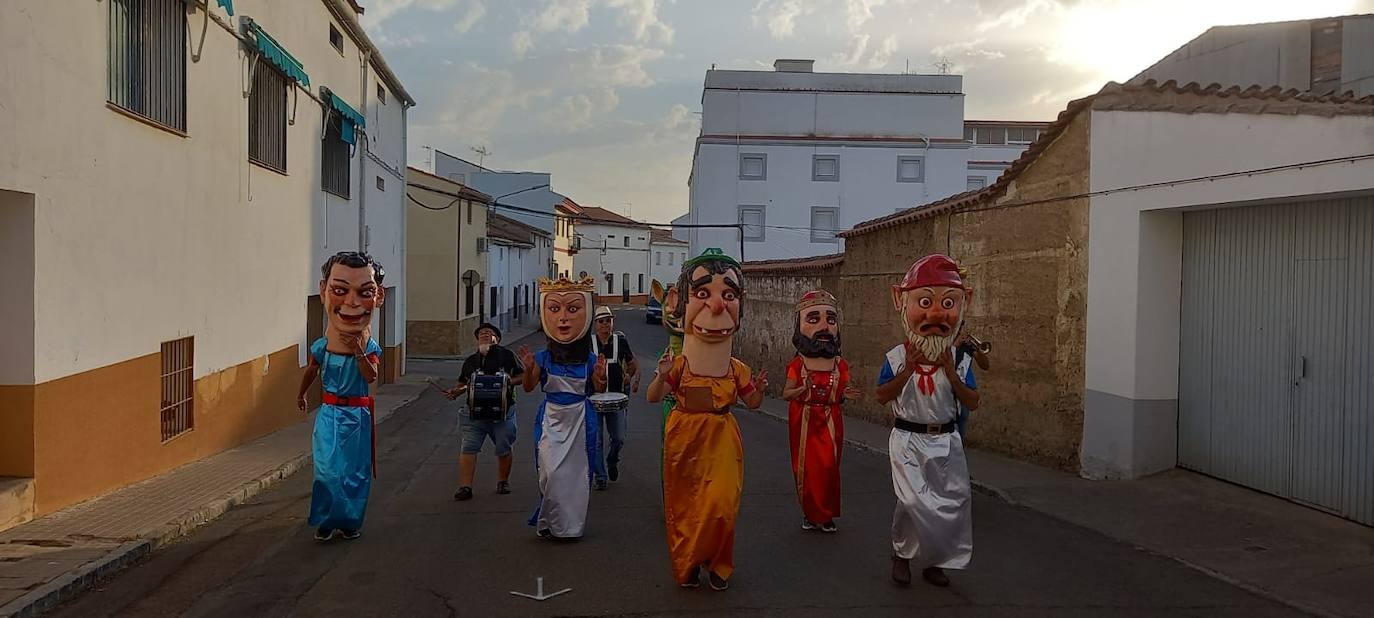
931,346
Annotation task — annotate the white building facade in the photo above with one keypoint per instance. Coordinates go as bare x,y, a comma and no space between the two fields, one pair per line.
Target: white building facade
996,145
166,241
667,254
794,155
529,193
518,255
614,251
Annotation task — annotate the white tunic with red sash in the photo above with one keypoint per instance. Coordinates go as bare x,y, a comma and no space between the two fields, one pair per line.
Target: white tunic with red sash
933,520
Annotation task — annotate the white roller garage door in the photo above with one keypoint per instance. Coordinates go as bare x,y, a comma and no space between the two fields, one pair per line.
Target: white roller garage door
1276,384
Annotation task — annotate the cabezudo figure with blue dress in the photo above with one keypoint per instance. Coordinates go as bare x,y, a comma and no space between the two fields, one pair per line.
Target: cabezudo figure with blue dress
346,360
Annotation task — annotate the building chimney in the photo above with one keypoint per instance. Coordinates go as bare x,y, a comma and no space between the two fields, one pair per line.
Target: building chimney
783,65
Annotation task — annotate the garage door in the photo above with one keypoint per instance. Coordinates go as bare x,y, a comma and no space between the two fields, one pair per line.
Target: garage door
1276,383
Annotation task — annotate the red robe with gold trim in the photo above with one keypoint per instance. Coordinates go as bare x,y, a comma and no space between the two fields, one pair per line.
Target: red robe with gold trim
817,431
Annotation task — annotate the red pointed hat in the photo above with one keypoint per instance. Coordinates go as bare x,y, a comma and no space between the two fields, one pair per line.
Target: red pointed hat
932,271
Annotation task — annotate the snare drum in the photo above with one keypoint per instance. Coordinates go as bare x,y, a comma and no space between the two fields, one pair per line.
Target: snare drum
610,402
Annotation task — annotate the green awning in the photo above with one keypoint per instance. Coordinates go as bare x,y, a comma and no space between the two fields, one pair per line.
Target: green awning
278,56
351,118
228,6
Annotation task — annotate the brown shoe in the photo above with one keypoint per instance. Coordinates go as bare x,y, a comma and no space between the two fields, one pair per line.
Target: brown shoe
935,576
901,571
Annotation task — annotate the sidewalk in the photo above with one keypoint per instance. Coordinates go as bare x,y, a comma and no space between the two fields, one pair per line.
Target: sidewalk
53,558
1298,556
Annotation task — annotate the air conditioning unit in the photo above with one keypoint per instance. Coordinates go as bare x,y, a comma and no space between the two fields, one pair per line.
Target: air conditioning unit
482,245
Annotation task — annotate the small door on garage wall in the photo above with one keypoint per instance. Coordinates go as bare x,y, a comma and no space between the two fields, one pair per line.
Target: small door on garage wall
1272,369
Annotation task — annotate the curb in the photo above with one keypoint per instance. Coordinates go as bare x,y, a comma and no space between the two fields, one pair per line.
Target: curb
978,486
59,590
67,586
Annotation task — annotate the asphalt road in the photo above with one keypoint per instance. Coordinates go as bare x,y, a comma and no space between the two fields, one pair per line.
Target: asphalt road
423,554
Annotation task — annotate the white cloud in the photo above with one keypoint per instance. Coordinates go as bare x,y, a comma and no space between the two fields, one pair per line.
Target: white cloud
378,11
883,54
474,109
385,40
853,55
473,13
612,66
641,16
575,112
521,41
565,15
780,16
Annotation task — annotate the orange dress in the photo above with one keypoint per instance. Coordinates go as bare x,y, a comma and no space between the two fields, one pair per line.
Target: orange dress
703,469
817,430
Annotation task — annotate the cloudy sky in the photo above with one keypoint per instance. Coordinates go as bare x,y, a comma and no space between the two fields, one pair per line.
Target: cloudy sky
605,93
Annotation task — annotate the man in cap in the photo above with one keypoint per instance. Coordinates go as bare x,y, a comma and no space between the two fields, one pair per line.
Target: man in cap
622,376
490,359
933,519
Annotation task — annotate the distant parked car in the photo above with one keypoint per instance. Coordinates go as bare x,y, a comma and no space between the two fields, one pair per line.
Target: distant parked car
653,312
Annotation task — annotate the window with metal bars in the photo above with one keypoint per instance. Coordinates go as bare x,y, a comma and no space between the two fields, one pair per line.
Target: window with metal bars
147,59
178,388
335,166
267,118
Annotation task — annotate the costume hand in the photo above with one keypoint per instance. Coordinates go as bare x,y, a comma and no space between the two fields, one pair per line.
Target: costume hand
665,362
360,345
853,394
947,363
634,384
302,404
913,356
526,357
761,381
600,371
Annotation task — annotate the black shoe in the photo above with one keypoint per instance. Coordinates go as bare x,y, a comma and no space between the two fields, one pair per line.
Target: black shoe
829,526
935,576
807,525
901,571
464,493
544,533
351,534
613,472
717,583
600,485
694,581
324,534
503,487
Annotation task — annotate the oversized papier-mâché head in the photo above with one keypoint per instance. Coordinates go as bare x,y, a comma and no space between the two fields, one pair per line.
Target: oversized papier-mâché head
931,300
667,298
565,308
710,292
351,289
817,332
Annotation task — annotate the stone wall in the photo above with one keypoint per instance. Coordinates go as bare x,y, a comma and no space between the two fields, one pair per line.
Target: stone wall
1028,268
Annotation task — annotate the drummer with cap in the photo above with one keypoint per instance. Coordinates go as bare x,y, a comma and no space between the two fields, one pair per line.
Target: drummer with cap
490,360
622,378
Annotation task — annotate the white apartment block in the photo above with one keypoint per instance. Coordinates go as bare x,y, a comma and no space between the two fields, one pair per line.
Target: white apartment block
793,156
166,200
668,253
528,197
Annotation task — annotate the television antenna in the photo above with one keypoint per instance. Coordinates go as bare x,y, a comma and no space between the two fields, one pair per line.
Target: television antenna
481,152
944,65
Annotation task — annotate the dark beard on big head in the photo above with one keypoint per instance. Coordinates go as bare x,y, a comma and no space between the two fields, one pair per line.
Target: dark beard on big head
574,353
815,348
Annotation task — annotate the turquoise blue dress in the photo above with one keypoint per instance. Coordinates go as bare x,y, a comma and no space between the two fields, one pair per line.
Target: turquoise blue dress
342,444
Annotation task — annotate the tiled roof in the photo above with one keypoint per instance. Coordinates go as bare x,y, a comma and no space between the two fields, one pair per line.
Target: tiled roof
795,265
464,190
506,228
1150,96
665,237
601,215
